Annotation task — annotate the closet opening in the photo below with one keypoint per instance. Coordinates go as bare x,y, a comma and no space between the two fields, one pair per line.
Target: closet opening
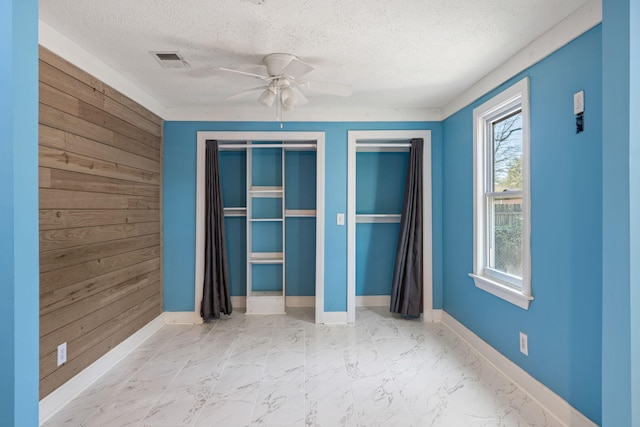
272,187
377,168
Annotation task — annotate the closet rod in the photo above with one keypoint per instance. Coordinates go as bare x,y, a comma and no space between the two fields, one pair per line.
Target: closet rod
382,145
267,146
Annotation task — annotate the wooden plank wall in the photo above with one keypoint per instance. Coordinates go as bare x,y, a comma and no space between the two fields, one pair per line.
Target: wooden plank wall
100,157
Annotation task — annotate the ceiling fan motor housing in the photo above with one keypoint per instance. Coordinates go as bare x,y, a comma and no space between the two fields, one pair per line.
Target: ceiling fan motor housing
276,62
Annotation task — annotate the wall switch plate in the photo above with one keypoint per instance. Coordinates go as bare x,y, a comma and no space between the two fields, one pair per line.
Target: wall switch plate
62,353
524,344
578,102
340,219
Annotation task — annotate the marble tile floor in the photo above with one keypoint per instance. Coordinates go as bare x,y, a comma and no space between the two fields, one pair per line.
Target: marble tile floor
285,370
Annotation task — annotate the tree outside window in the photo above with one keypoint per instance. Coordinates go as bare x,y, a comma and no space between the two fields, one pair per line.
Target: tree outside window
506,228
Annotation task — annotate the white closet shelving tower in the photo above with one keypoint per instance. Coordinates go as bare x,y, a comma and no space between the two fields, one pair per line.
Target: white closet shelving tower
266,216
265,208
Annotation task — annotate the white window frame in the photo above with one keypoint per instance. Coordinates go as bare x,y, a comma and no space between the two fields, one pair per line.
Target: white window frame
512,289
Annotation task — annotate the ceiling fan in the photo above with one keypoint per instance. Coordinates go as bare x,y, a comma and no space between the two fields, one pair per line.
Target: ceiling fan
283,82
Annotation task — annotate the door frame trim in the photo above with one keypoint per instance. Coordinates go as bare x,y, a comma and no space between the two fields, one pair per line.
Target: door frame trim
319,137
386,138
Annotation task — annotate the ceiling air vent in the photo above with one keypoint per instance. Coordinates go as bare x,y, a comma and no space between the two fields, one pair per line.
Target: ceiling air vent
170,59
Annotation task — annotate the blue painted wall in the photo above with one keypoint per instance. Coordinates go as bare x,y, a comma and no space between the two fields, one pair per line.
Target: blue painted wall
634,214
376,248
564,321
179,187
380,179
19,212
621,214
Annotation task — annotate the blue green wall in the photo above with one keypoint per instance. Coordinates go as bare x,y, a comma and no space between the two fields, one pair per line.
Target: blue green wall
380,179
621,214
563,323
179,188
19,212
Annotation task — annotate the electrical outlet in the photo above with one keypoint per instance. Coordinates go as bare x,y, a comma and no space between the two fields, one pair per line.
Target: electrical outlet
62,353
524,344
340,219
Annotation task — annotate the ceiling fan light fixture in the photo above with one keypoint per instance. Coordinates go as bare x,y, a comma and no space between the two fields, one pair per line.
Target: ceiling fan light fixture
267,98
283,83
289,98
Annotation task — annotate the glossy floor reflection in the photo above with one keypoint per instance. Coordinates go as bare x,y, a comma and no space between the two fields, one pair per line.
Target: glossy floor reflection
284,370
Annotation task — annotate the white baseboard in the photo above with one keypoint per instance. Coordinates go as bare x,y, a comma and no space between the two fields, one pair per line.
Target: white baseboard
193,318
328,317
432,316
373,301
557,406
238,301
76,385
301,301
182,317
385,301
305,301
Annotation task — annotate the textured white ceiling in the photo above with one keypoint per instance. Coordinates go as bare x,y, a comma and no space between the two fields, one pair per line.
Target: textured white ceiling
409,54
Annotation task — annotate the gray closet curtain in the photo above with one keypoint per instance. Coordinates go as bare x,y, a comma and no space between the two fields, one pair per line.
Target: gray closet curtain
406,291
215,295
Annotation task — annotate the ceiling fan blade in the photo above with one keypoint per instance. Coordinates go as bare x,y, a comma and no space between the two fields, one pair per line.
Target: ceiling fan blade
247,92
296,69
338,89
245,73
302,100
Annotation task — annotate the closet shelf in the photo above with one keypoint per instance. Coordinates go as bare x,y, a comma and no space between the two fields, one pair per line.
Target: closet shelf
235,211
266,219
266,258
266,191
389,147
378,218
265,294
299,213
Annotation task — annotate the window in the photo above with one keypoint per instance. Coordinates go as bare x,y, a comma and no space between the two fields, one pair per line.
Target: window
502,261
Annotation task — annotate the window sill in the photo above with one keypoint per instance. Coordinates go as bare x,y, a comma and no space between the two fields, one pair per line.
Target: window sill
502,291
